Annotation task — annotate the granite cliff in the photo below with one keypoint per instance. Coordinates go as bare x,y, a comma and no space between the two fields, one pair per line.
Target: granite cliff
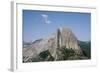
61,45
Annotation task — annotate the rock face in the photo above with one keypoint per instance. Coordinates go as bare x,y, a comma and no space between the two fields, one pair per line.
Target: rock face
66,38
52,47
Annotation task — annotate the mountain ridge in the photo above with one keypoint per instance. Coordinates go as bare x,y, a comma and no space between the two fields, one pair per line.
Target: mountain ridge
57,46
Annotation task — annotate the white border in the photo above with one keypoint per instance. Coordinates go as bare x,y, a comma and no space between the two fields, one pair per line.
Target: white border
17,38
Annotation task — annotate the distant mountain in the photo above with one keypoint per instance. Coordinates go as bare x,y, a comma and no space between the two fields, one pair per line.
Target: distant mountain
26,44
61,45
39,40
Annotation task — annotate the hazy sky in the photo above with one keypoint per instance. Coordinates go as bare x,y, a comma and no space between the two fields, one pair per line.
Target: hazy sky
39,24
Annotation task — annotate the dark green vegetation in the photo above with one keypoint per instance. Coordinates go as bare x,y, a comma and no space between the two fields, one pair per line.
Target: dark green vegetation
86,48
46,56
43,56
69,54
64,53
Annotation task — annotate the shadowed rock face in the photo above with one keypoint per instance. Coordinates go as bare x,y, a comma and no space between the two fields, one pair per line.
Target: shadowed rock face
67,39
63,37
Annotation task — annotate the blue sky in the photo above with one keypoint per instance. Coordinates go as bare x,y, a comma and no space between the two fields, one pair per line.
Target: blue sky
40,24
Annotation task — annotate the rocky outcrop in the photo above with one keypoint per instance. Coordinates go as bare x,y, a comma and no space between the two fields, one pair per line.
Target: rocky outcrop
54,45
67,39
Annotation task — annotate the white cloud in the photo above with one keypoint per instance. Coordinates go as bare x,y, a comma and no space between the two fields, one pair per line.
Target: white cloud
45,17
